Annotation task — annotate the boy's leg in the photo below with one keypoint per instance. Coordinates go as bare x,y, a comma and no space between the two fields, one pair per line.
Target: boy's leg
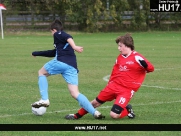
122,101
81,112
128,111
70,75
84,102
43,88
103,96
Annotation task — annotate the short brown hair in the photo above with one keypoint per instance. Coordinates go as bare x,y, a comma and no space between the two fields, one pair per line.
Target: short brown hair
127,40
56,24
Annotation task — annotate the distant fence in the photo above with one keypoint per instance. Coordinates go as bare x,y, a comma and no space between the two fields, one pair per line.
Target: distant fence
41,20
30,20
27,19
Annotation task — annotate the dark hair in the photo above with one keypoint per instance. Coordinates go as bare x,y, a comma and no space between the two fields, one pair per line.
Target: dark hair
127,40
56,24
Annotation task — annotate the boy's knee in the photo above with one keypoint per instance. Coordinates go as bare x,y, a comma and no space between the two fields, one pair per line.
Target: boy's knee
42,72
116,111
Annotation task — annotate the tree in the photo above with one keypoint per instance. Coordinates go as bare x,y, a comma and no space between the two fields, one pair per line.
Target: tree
86,14
117,10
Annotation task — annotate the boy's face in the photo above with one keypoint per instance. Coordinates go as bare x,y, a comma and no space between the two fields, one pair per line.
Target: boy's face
123,49
53,31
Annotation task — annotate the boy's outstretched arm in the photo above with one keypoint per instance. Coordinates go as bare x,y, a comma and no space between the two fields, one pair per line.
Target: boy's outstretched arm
47,53
78,49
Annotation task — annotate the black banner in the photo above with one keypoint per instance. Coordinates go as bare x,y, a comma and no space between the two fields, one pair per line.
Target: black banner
90,127
165,5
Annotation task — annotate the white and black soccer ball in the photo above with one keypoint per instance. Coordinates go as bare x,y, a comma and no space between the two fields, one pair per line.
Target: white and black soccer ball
39,111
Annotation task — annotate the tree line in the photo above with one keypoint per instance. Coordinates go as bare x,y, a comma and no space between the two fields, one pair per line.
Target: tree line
95,15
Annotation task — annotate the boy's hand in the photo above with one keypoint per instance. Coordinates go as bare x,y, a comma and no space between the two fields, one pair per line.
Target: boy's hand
78,49
33,55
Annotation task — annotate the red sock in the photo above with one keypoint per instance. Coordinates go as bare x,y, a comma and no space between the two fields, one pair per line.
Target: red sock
124,113
81,112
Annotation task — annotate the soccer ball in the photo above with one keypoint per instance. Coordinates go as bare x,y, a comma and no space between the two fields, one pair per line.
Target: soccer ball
39,111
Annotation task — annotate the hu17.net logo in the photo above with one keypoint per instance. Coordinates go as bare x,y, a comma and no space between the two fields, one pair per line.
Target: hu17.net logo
165,6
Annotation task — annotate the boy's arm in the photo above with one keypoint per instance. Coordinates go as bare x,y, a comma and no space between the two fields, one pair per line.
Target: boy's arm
79,49
47,53
145,63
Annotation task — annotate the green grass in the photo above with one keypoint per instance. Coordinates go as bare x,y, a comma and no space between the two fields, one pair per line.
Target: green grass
157,101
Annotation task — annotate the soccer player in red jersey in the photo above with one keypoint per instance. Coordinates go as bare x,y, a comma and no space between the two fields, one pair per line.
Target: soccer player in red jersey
127,75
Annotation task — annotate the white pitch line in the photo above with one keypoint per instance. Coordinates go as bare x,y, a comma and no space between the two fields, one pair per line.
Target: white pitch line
143,104
168,68
106,78
160,87
102,107
23,114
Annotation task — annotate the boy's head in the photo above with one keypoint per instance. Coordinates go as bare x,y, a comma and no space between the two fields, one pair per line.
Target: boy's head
57,25
127,40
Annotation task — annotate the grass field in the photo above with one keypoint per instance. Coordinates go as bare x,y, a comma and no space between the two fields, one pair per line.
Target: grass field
157,102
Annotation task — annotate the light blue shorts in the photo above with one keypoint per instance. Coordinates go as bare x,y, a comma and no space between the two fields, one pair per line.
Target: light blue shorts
68,72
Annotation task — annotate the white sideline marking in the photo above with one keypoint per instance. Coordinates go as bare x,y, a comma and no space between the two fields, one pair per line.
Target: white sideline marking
160,87
168,68
102,107
106,78
23,114
143,104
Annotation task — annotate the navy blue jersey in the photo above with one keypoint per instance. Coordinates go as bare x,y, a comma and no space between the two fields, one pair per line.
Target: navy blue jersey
64,51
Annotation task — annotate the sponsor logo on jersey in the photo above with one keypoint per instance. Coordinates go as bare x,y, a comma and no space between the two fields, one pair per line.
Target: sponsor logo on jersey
129,62
123,68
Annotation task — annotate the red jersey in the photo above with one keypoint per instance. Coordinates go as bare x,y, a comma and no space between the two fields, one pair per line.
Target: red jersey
128,72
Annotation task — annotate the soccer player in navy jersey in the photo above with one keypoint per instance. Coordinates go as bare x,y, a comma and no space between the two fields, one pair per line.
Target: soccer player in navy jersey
127,75
64,63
